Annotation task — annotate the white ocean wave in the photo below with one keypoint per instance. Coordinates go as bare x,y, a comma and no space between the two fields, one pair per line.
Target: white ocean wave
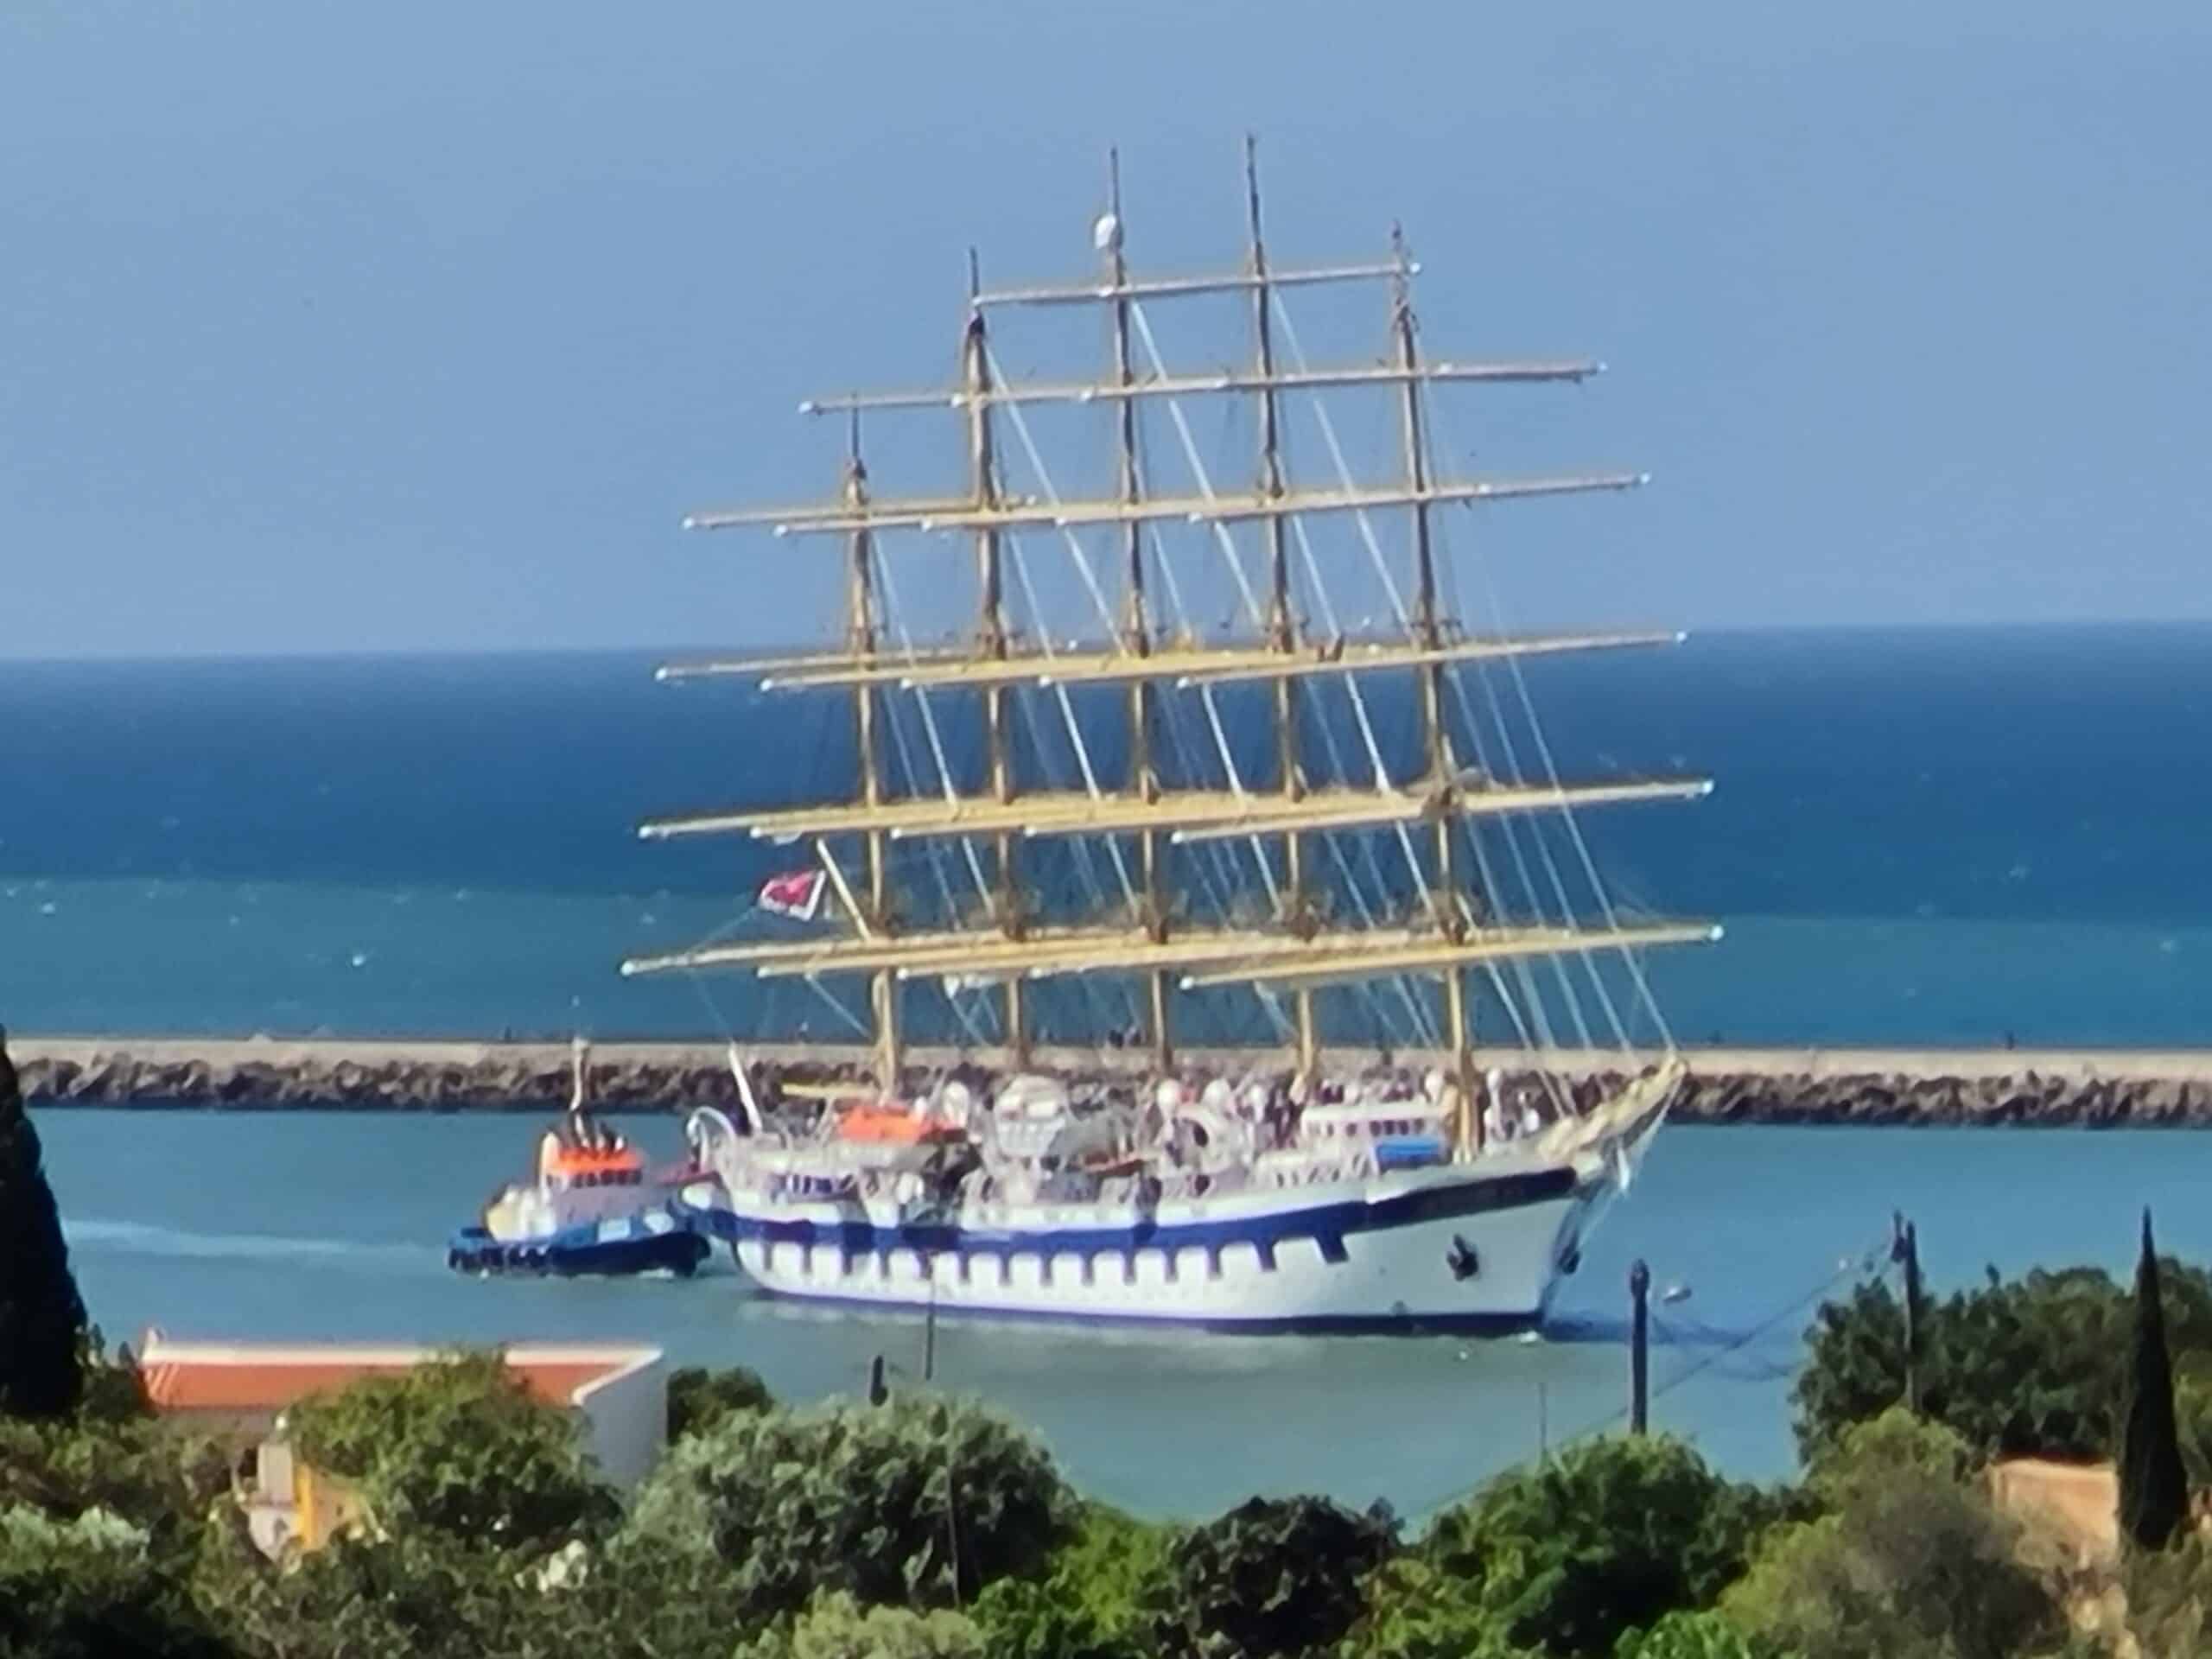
142,1238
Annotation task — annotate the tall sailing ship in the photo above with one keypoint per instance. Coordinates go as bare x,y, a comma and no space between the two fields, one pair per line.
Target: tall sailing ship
1301,1190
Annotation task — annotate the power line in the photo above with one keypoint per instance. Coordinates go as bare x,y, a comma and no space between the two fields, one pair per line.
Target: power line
1847,1267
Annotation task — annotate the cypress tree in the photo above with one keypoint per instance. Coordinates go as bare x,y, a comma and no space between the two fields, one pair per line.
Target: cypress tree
2153,1486
42,1317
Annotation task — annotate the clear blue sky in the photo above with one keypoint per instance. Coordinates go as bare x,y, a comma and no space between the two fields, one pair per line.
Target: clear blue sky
327,327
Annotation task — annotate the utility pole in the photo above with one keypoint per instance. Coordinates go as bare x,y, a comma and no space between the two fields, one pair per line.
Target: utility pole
929,1327
1639,1347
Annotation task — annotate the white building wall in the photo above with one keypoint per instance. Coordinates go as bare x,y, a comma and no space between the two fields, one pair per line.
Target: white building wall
625,1423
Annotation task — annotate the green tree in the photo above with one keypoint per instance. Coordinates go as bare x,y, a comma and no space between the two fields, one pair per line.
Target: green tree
698,1398
1416,1610
2170,1598
834,1626
1907,1560
923,1501
1274,1576
2153,1487
2030,1367
2193,1424
90,1587
101,1525
459,1446
1703,1635
417,1595
1088,1601
1610,1535
42,1330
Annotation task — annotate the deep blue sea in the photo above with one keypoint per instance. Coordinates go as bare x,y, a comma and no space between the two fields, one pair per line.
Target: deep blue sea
1927,836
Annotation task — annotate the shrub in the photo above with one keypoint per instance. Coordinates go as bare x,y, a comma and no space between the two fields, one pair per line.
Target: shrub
834,1626
89,1587
698,1398
2170,1598
1274,1576
460,1446
1908,1560
1087,1604
1704,1635
1611,1535
2031,1367
920,1501
1415,1609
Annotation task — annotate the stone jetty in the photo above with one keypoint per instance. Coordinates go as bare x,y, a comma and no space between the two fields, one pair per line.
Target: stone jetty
2108,1089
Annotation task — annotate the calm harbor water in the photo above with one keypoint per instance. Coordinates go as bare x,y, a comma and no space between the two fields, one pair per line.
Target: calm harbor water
326,1225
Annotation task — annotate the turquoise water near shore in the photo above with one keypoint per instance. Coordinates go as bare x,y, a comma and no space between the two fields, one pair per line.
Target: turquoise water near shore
233,959
325,1224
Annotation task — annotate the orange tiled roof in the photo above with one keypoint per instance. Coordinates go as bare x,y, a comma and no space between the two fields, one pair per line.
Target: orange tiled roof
193,1377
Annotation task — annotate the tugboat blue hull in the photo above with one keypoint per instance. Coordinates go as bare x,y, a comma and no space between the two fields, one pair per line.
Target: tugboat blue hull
594,1248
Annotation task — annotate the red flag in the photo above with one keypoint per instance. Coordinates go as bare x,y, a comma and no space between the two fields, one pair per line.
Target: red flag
796,894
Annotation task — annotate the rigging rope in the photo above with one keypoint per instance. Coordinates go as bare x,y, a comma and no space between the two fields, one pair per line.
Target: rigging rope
1521,972
1629,958
1515,775
934,852
1229,549
1382,773
1075,738
1106,615
1045,639
1205,692
1088,875
945,779
1090,582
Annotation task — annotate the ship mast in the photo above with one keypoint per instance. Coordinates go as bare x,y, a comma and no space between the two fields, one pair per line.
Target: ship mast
982,474
1136,629
1295,953
1281,629
1436,731
861,643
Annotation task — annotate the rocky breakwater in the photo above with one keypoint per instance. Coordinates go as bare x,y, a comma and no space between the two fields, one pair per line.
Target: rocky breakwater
393,1076
1948,1088
2069,1095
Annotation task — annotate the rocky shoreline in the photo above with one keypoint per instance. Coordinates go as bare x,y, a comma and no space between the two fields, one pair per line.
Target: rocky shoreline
1932,1087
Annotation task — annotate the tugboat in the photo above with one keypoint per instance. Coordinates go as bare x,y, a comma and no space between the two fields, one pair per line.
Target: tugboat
592,1207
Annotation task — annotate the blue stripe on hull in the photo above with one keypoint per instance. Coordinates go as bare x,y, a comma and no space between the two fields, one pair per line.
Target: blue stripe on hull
1328,1224
680,1252
1349,1325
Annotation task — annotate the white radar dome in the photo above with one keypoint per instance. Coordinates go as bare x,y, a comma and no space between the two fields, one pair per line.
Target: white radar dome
1106,234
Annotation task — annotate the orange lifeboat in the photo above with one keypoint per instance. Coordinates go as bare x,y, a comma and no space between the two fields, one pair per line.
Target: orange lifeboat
881,1125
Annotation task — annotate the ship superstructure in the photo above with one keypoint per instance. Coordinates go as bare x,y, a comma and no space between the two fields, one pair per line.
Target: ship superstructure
1290,1194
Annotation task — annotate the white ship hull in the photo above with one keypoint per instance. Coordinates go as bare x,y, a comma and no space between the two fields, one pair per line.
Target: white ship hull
1457,1247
